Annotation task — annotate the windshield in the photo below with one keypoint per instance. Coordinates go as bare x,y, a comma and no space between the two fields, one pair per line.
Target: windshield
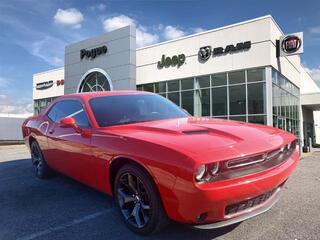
126,109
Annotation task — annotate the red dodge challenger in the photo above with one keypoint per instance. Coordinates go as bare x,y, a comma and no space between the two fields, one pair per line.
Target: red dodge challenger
160,163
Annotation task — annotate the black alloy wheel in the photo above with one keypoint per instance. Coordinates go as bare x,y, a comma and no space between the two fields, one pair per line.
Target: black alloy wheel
139,201
133,200
40,166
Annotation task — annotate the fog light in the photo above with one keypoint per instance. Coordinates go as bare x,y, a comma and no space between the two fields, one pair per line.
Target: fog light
201,217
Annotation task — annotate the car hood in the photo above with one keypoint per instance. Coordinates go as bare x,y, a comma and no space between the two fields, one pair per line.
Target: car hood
207,139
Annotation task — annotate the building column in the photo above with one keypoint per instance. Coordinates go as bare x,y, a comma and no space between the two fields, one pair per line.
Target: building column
269,96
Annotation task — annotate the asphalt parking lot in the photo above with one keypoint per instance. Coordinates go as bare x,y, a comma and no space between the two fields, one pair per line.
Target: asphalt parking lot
60,208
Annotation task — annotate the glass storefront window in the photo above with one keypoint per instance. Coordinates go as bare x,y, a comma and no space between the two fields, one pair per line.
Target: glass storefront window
281,81
275,121
237,99
255,75
238,95
274,76
260,119
187,101
236,77
174,97
148,87
203,81
40,104
187,83
219,79
204,98
160,87
285,104
219,101
173,86
275,100
238,118
256,98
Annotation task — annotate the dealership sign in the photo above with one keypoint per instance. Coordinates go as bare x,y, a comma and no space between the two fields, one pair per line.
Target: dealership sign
49,84
176,60
206,52
44,85
93,53
291,44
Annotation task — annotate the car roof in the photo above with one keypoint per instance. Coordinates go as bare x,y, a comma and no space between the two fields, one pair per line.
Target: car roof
89,95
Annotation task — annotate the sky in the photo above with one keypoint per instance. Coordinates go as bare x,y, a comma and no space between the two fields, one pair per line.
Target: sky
33,33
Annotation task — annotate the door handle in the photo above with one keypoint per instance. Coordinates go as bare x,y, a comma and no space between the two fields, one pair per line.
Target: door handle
51,131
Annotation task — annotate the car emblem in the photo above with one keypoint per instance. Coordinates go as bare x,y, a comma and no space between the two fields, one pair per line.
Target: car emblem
291,44
204,53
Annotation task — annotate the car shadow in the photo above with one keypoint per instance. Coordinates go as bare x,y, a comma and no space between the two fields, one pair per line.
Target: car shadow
63,205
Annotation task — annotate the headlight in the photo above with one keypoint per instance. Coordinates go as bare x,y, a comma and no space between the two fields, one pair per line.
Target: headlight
200,172
206,172
214,168
289,146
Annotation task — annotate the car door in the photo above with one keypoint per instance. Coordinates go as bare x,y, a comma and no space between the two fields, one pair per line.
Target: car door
70,151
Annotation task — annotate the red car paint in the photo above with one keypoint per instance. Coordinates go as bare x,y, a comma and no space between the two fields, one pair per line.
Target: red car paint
171,150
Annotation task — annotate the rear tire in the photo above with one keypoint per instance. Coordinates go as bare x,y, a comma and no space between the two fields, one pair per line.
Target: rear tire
139,201
41,168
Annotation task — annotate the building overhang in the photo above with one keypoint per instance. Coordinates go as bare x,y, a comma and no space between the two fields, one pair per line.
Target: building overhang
310,101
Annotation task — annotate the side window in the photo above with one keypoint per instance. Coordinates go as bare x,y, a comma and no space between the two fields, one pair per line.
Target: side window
81,118
52,113
69,108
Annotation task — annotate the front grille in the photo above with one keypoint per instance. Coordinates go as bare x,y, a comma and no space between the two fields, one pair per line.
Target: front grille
250,203
281,154
236,168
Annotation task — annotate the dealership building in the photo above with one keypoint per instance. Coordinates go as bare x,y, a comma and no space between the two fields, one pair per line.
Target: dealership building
248,71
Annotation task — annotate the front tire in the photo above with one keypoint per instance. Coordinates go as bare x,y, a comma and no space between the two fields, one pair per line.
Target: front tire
139,201
41,168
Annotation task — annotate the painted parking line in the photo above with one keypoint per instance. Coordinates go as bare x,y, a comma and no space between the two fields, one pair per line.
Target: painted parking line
64,226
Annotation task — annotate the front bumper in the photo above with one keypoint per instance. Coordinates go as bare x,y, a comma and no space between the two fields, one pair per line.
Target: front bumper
212,200
246,214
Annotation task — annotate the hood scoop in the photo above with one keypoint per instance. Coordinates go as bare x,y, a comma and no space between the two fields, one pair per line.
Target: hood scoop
196,131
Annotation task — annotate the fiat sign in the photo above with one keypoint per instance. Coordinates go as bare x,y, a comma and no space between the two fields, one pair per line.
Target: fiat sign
291,44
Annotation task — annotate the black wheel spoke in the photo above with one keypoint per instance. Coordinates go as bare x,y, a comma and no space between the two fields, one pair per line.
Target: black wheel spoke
131,184
139,190
136,214
133,200
145,207
126,198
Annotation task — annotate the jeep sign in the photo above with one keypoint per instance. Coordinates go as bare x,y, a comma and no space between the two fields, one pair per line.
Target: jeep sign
176,60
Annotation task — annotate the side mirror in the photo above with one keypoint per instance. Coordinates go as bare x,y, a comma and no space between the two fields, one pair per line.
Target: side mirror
68,122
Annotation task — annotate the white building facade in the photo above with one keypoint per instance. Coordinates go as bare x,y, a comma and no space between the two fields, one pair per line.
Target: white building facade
232,72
